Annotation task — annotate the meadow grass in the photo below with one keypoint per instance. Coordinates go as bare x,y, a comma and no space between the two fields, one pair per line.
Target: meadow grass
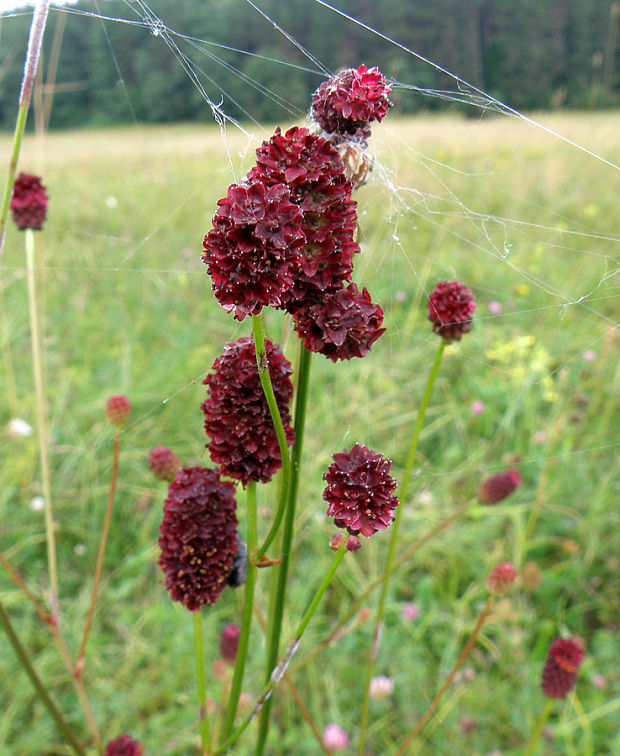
524,220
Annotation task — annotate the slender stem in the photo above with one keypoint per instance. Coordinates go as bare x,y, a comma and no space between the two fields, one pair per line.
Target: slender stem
62,648
45,616
37,27
203,717
296,695
531,746
102,546
41,424
38,685
279,671
246,617
403,557
402,493
301,403
8,360
265,379
459,663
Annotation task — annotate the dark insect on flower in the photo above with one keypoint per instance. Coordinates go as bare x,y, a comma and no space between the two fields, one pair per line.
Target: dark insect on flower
347,103
359,491
501,578
450,309
237,419
314,172
164,463
499,486
117,410
198,536
342,325
29,202
560,672
124,745
239,570
254,248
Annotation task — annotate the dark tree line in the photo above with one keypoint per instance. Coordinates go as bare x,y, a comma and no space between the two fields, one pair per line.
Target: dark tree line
530,54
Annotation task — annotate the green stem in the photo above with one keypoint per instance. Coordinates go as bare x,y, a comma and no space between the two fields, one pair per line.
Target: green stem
37,27
402,493
279,671
41,424
275,622
265,379
246,617
201,684
100,554
38,685
529,749
449,679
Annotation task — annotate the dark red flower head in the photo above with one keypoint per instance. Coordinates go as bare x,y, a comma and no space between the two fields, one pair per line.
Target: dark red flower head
499,486
359,491
254,247
198,539
348,102
314,173
117,410
29,202
450,309
164,463
229,642
560,673
124,745
501,578
341,325
237,419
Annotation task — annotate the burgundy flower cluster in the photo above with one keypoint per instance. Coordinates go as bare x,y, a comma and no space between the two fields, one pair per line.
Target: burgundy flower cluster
560,673
236,414
285,236
499,486
359,491
29,202
450,309
348,102
198,539
164,463
124,745
254,247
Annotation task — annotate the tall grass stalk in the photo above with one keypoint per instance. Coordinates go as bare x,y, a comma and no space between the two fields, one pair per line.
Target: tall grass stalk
402,492
201,685
41,422
46,699
37,27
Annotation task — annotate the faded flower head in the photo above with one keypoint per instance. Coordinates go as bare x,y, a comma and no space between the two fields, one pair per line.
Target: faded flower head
29,202
499,486
237,419
117,410
560,672
124,745
381,687
254,247
501,578
348,102
238,574
359,491
198,536
341,325
314,173
164,463
229,642
450,309
353,543
335,737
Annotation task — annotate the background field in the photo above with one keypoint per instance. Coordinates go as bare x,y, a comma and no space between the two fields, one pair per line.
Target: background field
528,222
